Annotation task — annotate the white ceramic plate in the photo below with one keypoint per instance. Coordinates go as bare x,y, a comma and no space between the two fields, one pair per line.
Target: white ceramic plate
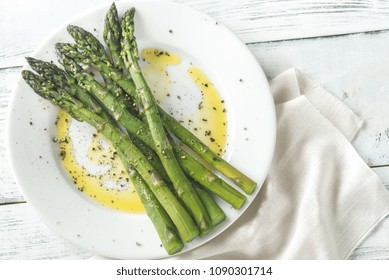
226,61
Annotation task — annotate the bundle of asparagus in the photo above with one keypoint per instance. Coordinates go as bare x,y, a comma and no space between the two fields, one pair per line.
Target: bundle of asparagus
172,184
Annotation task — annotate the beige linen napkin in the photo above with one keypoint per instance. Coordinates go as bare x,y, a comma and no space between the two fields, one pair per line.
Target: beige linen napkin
320,198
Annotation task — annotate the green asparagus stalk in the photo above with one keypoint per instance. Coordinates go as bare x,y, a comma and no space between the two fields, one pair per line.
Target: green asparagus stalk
159,217
113,36
70,84
215,212
66,82
187,137
208,179
121,142
162,144
161,221
141,131
166,230
84,52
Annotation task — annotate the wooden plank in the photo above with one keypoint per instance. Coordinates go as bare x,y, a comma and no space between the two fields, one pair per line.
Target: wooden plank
9,192
263,20
24,236
251,20
23,26
354,68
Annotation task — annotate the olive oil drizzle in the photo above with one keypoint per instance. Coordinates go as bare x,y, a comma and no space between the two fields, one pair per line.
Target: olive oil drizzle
113,188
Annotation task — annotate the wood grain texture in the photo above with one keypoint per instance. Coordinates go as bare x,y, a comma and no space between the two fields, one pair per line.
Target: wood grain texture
24,236
252,21
24,24
264,20
9,191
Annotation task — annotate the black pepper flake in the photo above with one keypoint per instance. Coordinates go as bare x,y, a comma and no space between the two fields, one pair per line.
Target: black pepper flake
224,110
31,123
62,154
212,139
214,108
64,140
207,133
204,120
241,80
170,31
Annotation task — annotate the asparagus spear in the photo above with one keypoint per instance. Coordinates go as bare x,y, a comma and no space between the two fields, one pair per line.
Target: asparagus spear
141,131
189,139
113,36
166,230
84,51
121,142
161,221
68,83
112,28
215,212
208,179
161,142
61,79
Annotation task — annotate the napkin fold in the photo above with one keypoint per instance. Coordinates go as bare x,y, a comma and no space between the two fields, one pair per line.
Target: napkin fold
320,198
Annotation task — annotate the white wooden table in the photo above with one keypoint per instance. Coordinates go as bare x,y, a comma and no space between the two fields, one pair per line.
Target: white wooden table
343,44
